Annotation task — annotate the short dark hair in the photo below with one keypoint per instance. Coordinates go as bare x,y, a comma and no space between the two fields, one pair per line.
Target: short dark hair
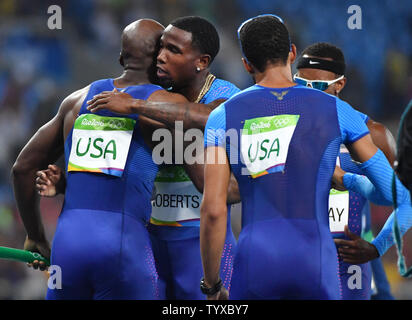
265,40
325,50
204,34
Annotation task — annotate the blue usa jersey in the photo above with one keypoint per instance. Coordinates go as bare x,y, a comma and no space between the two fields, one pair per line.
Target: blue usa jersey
283,158
220,89
106,208
174,227
173,184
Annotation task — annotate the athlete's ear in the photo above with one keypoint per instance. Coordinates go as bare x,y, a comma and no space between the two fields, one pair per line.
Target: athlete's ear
292,54
249,68
204,61
121,60
339,85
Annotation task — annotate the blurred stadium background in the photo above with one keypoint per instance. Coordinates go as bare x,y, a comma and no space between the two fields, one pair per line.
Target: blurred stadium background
39,67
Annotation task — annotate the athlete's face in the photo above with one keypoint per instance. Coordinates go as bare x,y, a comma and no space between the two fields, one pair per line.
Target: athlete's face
177,59
317,74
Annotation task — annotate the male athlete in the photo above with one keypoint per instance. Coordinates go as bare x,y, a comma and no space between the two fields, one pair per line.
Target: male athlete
286,150
187,48
322,66
101,242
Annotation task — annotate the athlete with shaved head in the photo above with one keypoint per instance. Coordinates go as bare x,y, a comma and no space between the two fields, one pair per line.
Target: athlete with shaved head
101,242
322,66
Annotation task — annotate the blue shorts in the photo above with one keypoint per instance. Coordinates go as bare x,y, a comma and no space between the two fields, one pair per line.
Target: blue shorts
179,263
103,255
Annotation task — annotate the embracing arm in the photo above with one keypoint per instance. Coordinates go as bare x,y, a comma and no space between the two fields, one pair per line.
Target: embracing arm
377,169
193,115
166,111
381,138
357,250
360,184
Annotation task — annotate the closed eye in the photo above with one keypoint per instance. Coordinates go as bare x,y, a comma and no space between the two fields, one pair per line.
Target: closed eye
173,49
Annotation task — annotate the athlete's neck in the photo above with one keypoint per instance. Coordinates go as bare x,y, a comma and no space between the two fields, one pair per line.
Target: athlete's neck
275,76
131,77
191,90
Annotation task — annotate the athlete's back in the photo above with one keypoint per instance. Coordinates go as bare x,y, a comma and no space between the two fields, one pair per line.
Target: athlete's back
286,155
109,184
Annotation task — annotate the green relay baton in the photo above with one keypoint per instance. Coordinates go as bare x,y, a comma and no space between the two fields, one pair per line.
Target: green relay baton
21,255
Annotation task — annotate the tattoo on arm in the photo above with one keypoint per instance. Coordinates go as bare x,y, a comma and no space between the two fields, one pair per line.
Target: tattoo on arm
193,115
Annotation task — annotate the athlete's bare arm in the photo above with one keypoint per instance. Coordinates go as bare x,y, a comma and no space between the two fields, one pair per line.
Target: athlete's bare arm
383,139
162,109
45,147
193,115
213,216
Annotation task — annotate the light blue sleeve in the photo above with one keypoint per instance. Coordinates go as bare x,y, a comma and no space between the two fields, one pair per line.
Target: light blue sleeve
352,124
384,240
215,130
363,186
378,189
364,117
380,173
220,89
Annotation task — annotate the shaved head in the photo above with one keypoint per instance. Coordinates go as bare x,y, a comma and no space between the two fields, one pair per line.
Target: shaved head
140,44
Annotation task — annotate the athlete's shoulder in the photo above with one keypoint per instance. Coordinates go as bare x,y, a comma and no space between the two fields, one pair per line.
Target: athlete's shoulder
215,127
351,123
315,93
219,109
344,107
363,116
74,98
163,95
218,116
221,89
256,91
81,94
252,90
150,86
224,83
101,82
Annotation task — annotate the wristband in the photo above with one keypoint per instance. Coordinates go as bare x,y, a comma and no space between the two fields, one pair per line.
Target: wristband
210,291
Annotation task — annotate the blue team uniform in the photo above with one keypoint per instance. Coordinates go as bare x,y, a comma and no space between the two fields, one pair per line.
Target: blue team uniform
358,212
175,221
285,249
359,223
101,242
378,187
